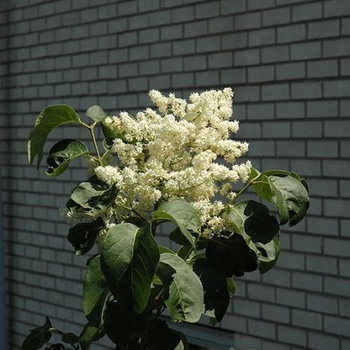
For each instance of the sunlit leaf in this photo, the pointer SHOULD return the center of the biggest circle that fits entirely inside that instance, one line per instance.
(182, 214)
(49, 118)
(62, 153)
(96, 113)
(185, 302)
(129, 259)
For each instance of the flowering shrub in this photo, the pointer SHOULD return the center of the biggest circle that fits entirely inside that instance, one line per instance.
(179, 165)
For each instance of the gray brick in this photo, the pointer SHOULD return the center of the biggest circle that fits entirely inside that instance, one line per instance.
(308, 90)
(207, 79)
(127, 39)
(227, 6)
(171, 65)
(337, 325)
(220, 60)
(333, 246)
(275, 92)
(307, 319)
(276, 130)
(324, 226)
(130, 69)
(290, 110)
(234, 40)
(335, 286)
(246, 307)
(290, 71)
(196, 62)
(172, 32)
(307, 12)
(221, 25)
(290, 297)
(160, 50)
(233, 76)
(322, 149)
(322, 109)
(336, 8)
(321, 264)
(257, 4)
(291, 335)
(207, 9)
(319, 341)
(335, 168)
(344, 268)
(344, 188)
(262, 329)
(278, 53)
(337, 88)
(247, 21)
(276, 16)
(344, 306)
(260, 292)
(322, 304)
(290, 149)
(196, 28)
(210, 44)
(292, 33)
(163, 81)
(149, 35)
(262, 37)
(261, 74)
(336, 47)
(307, 281)
(247, 94)
(324, 29)
(306, 51)
(184, 47)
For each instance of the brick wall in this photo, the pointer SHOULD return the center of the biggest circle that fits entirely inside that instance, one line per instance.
(288, 62)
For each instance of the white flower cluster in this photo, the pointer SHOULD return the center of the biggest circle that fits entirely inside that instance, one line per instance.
(183, 151)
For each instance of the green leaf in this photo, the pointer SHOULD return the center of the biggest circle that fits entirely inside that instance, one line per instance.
(125, 328)
(259, 229)
(161, 337)
(214, 281)
(185, 302)
(232, 255)
(38, 336)
(83, 236)
(90, 334)
(291, 198)
(182, 214)
(94, 196)
(286, 190)
(96, 113)
(62, 153)
(129, 260)
(70, 338)
(49, 118)
(95, 291)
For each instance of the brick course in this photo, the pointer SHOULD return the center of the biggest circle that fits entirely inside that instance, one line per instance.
(288, 62)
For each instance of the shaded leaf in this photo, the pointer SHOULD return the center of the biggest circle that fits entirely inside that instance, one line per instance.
(232, 255)
(259, 229)
(129, 259)
(96, 113)
(95, 291)
(38, 336)
(161, 337)
(214, 281)
(93, 196)
(49, 118)
(125, 328)
(62, 153)
(182, 214)
(83, 236)
(70, 338)
(185, 302)
(90, 334)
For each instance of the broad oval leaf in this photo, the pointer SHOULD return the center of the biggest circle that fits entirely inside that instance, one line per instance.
(182, 214)
(38, 336)
(185, 301)
(129, 259)
(214, 281)
(62, 153)
(291, 198)
(95, 291)
(49, 118)
(96, 113)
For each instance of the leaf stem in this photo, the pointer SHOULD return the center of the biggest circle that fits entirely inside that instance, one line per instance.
(94, 142)
(246, 186)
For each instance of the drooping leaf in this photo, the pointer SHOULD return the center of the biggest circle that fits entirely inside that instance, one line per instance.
(185, 302)
(161, 337)
(291, 198)
(182, 214)
(214, 281)
(232, 255)
(95, 292)
(259, 229)
(129, 259)
(82, 236)
(62, 153)
(96, 113)
(90, 334)
(49, 118)
(57, 346)
(38, 336)
(93, 196)
(287, 190)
